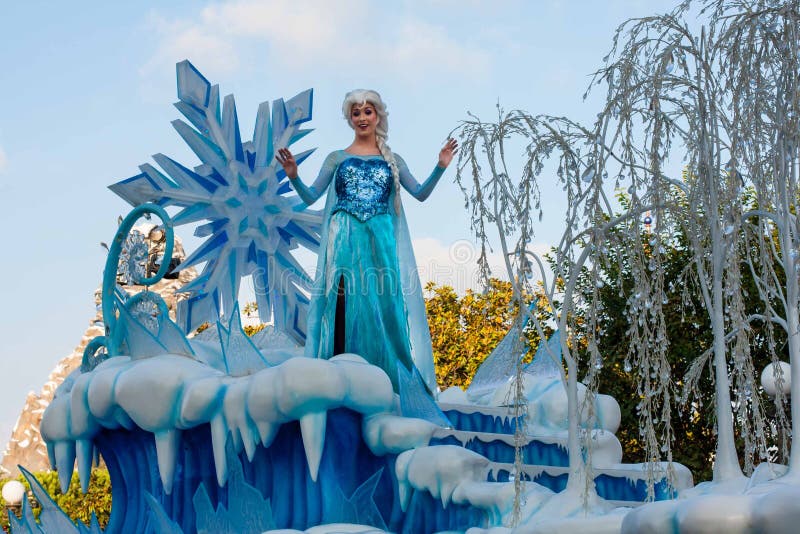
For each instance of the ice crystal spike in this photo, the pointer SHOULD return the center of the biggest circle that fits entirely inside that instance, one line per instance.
(547, 360)
(94, 526)
(500, 365)
(241, 356)
(359, 508)
(163, 524)
(363, 501)
(147, 328)
(51, 517)
(416, 401)
(242, 201)
(246, 511)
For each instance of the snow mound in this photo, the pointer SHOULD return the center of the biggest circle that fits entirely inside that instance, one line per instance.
(769, 508)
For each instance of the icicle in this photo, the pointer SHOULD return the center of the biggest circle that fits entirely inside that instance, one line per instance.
(84, 452)
(219, 437)
(266, 432)
(65, 462)
(51, 455)
(312, 429)
(167, 443)
(250, 440)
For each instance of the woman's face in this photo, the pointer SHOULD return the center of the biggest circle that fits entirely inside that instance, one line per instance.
(364, 119)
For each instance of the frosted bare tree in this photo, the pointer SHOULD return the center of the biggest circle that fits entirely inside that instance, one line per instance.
(759, 43)
(506, 205)
(662, 89)
(723, 98)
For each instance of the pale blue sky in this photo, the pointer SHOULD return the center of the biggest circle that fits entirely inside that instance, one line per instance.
(87, 91)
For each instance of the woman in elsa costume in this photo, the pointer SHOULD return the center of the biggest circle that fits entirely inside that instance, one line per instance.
(367, 297)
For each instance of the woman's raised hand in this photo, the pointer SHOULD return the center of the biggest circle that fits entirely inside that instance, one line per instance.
(287, 161)
(447, 152)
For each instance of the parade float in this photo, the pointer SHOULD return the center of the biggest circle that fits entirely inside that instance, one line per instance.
(221, 432)
(216, 431)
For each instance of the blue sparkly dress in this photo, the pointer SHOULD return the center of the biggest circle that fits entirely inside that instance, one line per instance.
(366, 258)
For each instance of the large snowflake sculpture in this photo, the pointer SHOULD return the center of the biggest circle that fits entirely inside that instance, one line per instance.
(239, 192)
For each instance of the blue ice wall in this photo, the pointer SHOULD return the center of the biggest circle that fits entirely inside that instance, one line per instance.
(353, 484)
(608, 486)
(534, 452)
(425, 514)
(481, 422)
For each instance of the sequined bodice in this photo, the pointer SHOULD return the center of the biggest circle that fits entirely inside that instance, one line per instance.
(363, 187)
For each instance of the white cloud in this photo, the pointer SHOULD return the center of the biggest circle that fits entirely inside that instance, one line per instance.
(456, 264)
(294, 35)
(453, 264)
(3, 160)
(211, 53)
(420, 43)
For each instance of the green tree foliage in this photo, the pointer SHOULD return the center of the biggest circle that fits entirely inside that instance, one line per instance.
(76, 505)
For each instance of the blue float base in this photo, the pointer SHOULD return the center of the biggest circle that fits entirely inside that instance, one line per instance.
(353, 484)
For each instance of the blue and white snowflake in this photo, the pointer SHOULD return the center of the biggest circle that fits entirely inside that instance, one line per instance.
(133, 258)
(240, 194)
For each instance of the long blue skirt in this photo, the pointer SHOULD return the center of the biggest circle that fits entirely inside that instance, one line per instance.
(362, 256)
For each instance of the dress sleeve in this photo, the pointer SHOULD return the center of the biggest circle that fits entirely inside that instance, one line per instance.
(420, 191)
(310, 194)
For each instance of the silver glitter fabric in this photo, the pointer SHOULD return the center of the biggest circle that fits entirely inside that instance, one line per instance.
(363, 187)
